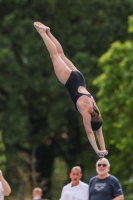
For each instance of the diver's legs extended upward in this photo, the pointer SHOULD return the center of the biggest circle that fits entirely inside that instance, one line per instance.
(62, 65)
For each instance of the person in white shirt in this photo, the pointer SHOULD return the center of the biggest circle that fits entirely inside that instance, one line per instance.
(5, 189)
(76, 189)
(37, 193)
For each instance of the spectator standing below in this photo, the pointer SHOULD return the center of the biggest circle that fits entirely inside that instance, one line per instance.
(76, 189)
(5, 189)
(37, 194)
(104, 186)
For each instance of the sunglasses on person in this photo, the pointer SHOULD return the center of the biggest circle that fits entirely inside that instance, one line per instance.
(104, 165)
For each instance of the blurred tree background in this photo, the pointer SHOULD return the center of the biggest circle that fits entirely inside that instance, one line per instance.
(42, 136)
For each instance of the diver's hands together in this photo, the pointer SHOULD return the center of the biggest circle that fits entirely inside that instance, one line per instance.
(102, 153)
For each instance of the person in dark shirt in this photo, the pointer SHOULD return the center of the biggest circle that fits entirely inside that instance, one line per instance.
(74, 81)
(104, 186)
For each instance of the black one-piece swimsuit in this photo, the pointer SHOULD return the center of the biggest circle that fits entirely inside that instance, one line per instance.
(75, 80)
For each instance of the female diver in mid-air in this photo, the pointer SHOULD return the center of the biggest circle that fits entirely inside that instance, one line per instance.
(74, 81)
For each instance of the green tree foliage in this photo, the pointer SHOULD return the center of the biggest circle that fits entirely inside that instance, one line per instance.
(115, 99)
(59, 177)
(130, 22)
(2, 154)
(38, 119)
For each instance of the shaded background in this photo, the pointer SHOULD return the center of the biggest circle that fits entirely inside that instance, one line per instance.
(41, 134)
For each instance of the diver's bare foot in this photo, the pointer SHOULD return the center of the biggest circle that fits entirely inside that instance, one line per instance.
(41, 27)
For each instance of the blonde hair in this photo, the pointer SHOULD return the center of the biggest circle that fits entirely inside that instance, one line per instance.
(37, 192)
(77, 168)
